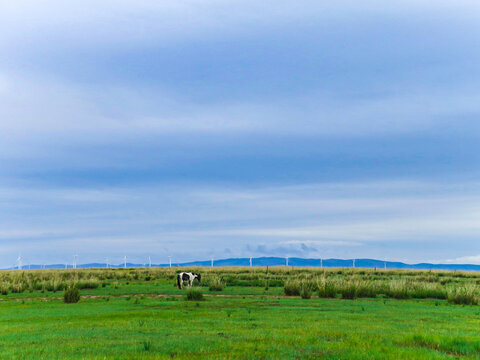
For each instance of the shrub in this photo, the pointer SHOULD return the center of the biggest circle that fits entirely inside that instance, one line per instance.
(194, 294)
(215, 283)
(71, 295)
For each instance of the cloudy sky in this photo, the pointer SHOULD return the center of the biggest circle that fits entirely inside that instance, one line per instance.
(208, 128)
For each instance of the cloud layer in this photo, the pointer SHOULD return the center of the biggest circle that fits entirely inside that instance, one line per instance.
(239, 128)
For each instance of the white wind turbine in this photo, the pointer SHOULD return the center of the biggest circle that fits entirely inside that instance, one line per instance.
(286, 261)
(250, 261)
(75, 257)
(353, 263)
(211, 264)
(170, 260)
(19, 262)
(149, 262)
(125, 261)
(106, 263)
(321, 263)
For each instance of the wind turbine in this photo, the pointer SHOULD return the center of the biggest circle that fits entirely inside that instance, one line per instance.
(170, 260)
(19, 262)
(75, 257)
(211, 264)
(106, 263)
(353, 263)
(286, 261)
(125, 261)
(385, 264)
(149, 262)
(321, 263)
(250, 261)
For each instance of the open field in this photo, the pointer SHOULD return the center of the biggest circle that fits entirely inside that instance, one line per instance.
(139, 314)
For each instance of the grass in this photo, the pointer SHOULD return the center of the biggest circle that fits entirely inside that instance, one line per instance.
(194, 294)
(223, 327)
(464, 295)
(215, 283)
(140, 314)
(71, 295)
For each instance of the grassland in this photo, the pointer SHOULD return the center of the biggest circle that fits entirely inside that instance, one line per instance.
(139, 314)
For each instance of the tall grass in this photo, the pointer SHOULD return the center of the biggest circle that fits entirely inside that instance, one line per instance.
(71, 294)
(194, 294)
(465, 295)
(215, 283)
(307, 287)
(352, 288)
(292, 287)
(459, 287)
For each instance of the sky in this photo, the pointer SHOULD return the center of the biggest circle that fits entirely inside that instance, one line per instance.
(200, 129)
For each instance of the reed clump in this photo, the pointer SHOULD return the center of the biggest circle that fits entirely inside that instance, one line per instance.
(71, 294)
(215, 283)
(194, 294)
(465, 295)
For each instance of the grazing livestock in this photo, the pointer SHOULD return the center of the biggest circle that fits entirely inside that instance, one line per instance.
(186, 276)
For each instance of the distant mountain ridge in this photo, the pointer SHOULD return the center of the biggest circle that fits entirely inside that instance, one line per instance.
(279, 261)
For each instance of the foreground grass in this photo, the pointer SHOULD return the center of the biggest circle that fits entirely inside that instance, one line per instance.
(245, 315)
(247, 328)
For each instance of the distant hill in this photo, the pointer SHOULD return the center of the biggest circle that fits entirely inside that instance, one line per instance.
(278, 261)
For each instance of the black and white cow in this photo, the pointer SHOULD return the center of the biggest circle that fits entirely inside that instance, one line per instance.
(187, 276)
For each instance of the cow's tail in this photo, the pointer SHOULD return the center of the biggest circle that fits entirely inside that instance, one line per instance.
(179, 281)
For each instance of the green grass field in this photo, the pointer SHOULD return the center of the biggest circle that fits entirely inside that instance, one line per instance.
(139, 314)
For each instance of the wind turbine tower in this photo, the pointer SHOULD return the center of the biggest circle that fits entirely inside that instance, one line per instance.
(211, 264)
(250, 261)
(353, 263)
(106, 263)
(321, 263)
(286, 261)
(75, 257)
(125, 262)
(170, 261)
(149, 262)
(19, 262)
